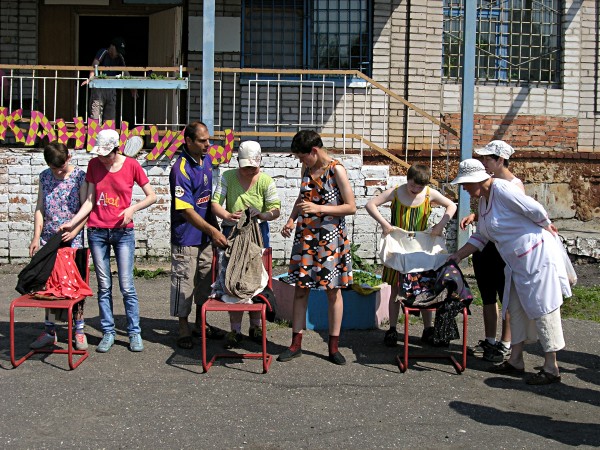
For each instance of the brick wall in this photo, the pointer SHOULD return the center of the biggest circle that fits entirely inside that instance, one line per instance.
(526, 133)
(18, 31)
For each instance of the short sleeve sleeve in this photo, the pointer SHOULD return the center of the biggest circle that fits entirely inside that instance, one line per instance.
(272, 200)
(183, 195)
(139, 174)
(220, 193)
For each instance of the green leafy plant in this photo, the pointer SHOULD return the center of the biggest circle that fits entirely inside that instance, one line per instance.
(366, 278)
(147, 273)
(357, 261)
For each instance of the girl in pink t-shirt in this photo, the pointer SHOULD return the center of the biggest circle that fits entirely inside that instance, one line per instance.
(110, 178)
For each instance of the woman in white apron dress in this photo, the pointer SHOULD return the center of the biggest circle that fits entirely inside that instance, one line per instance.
(536, 278)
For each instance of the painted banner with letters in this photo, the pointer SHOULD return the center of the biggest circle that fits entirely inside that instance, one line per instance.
(84, 134)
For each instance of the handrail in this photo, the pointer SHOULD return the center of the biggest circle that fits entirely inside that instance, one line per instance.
(392, 94)
(239, 134)
(90, 68)
(346, 74)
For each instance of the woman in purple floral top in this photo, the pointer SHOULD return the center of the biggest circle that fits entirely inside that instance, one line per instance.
(62, 190)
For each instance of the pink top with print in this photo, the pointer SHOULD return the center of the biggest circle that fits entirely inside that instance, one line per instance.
(114, 191)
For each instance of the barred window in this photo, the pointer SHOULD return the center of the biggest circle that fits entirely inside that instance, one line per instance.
(317, 34)
(517, 41)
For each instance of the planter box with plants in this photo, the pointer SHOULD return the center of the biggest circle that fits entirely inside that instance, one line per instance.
(365, 305)
(139, 83)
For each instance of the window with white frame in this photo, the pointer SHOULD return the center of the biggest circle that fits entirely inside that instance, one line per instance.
(517, 41)
(312, 34)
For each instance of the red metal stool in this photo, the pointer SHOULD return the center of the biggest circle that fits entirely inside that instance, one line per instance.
(403, 360)
(27, 301)
(218, 305)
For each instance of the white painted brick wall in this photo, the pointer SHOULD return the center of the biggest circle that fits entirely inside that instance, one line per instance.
(18, 198)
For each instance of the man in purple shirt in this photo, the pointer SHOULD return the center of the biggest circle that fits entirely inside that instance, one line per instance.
(193, 230)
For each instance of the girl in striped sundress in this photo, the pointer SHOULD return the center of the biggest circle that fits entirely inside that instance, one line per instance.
(411, 207)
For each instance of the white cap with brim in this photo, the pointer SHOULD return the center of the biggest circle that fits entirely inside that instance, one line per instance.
(470, 171)
(498, 148)
(249, 154)
(106, 142)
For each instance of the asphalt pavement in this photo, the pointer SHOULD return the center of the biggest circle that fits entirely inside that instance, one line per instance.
(161, 399)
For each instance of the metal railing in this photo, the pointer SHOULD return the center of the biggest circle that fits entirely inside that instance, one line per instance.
(348, 108)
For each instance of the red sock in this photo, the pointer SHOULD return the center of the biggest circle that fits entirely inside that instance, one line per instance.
(333, 344)
(296, 342)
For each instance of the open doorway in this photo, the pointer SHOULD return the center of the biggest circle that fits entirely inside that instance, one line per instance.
(96, 32)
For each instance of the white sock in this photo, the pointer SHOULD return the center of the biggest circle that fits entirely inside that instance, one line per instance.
(506, 344)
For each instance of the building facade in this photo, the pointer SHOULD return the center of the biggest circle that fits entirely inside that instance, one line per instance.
(537, 81)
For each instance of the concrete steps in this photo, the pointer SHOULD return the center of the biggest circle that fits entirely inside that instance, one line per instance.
(582, 239)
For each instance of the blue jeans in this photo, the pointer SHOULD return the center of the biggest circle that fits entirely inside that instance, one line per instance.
(122, 240)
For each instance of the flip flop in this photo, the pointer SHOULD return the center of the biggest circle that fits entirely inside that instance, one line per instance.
(506, 368)
(542, 378)
(185, 342)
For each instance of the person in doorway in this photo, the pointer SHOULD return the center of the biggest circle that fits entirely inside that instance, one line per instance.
(239, 189)
(110, 178)
(535, 274)
(321, 249)
(489, 266)
(103, 102)
(193, 232)
(61, 192)
(411, 206)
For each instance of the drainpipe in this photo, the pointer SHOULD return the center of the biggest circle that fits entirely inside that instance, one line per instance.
(467, 106)
(208, 66)
(406, 74)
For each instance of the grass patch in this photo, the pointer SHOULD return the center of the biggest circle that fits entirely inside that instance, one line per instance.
(584, 304)
(148, 274)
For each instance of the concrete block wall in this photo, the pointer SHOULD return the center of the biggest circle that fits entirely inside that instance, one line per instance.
(19, 172)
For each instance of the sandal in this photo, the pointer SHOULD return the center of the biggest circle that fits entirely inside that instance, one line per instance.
(542, 378)
(185, 342)
(506, 368)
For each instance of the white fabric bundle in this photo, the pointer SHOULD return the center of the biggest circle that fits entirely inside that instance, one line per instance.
(412, 251)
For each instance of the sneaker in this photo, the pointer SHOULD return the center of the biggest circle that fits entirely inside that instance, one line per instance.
(106, 343)
(506, 351)
(255, 334)
(233, 339)
(391, 338)
(492, 353)
(135, 343)
(43, 340)
(81, 341)
(480, 348)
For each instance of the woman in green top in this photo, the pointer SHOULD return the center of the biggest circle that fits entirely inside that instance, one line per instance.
(239, 189)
